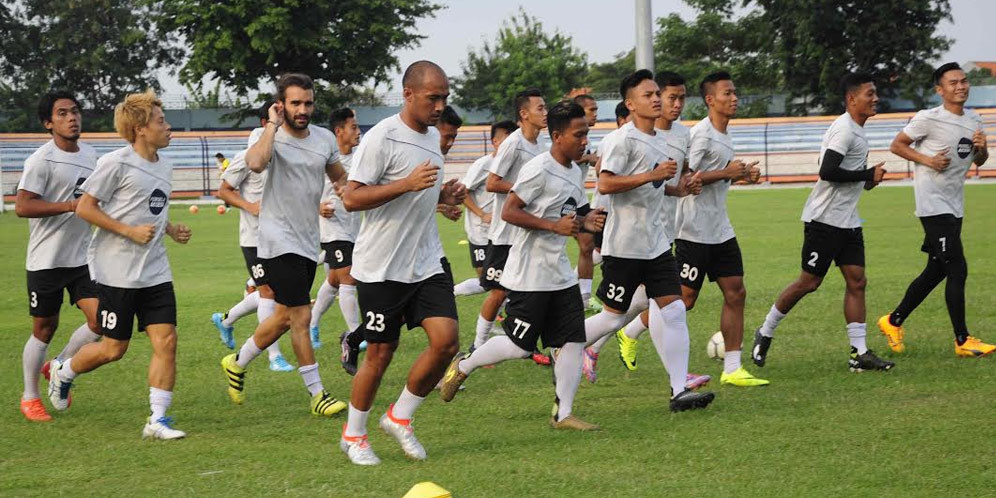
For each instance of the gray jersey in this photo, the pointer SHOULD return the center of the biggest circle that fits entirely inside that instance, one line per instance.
(836, 203)
(634, 227)
(399, 240)
(250, 186)
(288, 215)
(55, 175)
(538, 259)
(512, 154)
(678, 139)
(474, 180)
(942, 192)
(135, 192)
(343, 225)
(702, 218)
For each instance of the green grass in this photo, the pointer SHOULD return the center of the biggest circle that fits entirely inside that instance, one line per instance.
(817, 430)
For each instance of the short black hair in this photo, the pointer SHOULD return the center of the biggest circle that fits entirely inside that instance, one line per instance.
(522, 99)
(939, 72)
(853, 81)
(293, 79)
(219, 155)
(560, 116)
(712, 78)
(450, 117)
(578, 99)
(633, 79)
(508, 126)
(622, 111)
(339, 117)
(47, 102)
(415, 72)
(668, 78)
(264, 110)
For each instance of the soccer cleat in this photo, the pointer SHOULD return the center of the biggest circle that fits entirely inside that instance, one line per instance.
(589, 362)
(573, 423)
(236, 377)
(162, 429)
(759, 352)
(325, 404)
(691, 400)
(893, 334)
(867, 361)
(358, 449)
(540, 359)
(315, 341)
(973, 347)
(34, 410)
(46, 370)
(452, 379)
(741, 378)
(350, 356)
(627, 349)
(279, 364)
(58, 388)
(363, 346)
(404, 433)
(695, 381)
(226, 334)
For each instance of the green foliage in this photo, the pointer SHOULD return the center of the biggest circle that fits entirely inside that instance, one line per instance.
(981, 76)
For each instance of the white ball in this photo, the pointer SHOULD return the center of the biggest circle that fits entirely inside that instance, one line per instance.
(716, 347)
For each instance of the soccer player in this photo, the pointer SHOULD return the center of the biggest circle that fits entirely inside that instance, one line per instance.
(636, 249)
(127, 199)
(586, 241)
(297, 156)
(943, 142)
(395, 179)
(48, 194)
(338, 233)
(832, 232)
(546, 205)
(243, 188)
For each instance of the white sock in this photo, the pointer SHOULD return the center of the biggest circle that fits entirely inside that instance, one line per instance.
(66, 372)
(731, 361)
(635, 328)
(312, 381)
(356, 422)
(669, 333)
(405, 406)
(159, 401)
(496, 350)
(596, 347)
(856, 335)
(350, 306)
(567, 376)
(324, 299)
(596, 257)
(601, 325)
(274, 350)
(265, 309)
(482, 331)
(585, 284)
(468, 287)
(246, 306)
(247, 353)
(639, 303)
(32, 360)
(81, 337)
(771, 321)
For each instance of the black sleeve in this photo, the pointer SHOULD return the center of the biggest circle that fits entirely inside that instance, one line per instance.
(831, 171)
(583, 211)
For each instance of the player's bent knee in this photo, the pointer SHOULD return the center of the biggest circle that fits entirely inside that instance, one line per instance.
(736, 296)
(112, 350)
(44, 328)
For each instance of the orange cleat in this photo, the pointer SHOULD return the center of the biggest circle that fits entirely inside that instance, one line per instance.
(893, 334)
(34, 410)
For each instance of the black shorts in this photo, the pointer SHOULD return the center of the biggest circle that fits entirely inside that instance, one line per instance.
(338, 254)
(494, 263)
(386, 306)
(695, 261)
(446, 267)
(823, 244)
(557, 317)
(45, 289)
(477, 254)
(290, 276)
(119, 307)
(621, 276)
(255, 266)
(598, 241)
(942, 237)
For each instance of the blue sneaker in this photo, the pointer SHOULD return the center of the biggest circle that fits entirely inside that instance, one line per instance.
(225, 333)
(279, 364)
(315, 341)
(363, 346)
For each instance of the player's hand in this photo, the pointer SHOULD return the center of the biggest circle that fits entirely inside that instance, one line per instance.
(753, 172)
(665, 170)
(736, 170)
(326, 210)
(694, 183)
(253, 208)
(594, 221)
(422, 177)
(940, 161)
(567, 225)
(879, 176)
(276, 114)
(180, 233)
(453, 192)
(339, 189)
(141, 234)
(486, 218)
(589, 159)
(979, 140)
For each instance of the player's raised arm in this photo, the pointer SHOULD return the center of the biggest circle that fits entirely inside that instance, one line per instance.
(360, 197)
(89, 210)
(259, 154)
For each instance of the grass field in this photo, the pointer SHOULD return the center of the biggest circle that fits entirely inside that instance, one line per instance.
(817, 430)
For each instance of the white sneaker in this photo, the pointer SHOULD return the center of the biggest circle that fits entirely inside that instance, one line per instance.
(359, 451)
(162, 428)
(58, 389)
(405, 435)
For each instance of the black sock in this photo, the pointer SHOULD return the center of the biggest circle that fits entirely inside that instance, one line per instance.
(954, 296)
(918, 290)
(355, 338)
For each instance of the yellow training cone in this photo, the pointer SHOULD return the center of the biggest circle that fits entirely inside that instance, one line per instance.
(462, 242)
(427, 490)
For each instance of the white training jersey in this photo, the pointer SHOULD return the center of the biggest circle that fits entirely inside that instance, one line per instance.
(250, 186)
(512, 154)
(399, 240)
(702, 218)
(678, 139)
(56, 175)
(288, 215)
(135, 192)
(596, 198)
(537, 260)
(475, 180)
(634, 226)
(836, 203)
(942, 192)
(343, 225)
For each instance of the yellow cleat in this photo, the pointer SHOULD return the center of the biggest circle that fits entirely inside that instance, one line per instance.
(973, 347)
(325, 405)
(627, 349)
(236, 377)
(893, 334)
(741, 378)
(573, 423)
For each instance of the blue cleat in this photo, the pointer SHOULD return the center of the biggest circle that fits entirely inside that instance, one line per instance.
(315, 341)
(279, 364)
(225, 333)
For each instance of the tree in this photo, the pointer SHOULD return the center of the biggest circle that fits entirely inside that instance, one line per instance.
(522, 56)
(981, 76)
(247, 44)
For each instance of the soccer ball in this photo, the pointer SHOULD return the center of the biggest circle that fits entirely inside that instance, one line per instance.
(221, 209)
(716, 347)
(194, 209)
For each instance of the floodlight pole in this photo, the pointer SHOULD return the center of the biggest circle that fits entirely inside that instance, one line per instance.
(644, 36)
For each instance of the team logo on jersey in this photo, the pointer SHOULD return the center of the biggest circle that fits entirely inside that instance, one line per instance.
(569, 208)
(157, 201)
(657, 183)
(77, 192)
(964, 148)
